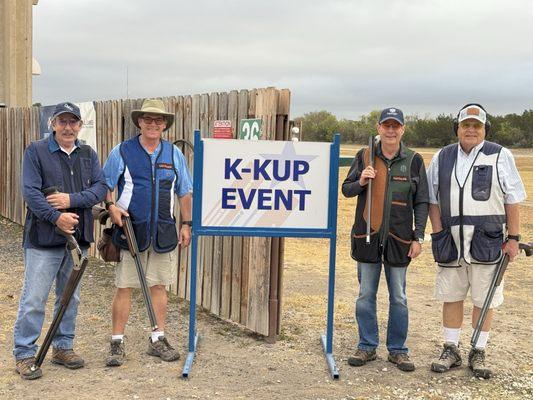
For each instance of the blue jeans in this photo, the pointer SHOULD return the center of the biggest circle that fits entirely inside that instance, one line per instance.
(42, 268)
(365, 307)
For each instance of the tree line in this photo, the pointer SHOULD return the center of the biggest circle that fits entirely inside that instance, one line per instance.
(511, 130)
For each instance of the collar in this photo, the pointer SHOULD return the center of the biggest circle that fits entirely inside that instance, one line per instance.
(474, 150)
(157, 149)
(399, 155)
(53, 146)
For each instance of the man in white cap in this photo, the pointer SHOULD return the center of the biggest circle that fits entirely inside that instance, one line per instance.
(148, 171)
(474, 193)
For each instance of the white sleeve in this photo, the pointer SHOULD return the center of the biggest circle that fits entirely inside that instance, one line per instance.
(510, 180)
(433, 179)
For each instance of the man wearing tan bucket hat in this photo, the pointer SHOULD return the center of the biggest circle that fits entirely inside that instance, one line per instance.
(148, 171)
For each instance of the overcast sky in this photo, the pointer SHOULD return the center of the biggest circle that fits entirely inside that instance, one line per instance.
(347, 57)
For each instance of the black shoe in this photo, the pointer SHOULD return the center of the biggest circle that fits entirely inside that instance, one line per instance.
(361, 357)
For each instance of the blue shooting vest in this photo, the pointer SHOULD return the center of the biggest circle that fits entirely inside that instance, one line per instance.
(147, 193)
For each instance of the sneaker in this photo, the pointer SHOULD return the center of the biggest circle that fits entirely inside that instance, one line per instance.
(449, 358)
(361, 357)
(27, 369)
(402, 361)
(476, 362)
(117, 354)
(67, 358)
(162, 349)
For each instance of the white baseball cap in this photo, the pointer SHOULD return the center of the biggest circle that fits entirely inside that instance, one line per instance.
(473, 112)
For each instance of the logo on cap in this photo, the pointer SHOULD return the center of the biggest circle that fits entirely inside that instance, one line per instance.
(473, 112)
(68, 106)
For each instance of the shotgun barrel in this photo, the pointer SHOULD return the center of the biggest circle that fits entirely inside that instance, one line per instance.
(369, 190)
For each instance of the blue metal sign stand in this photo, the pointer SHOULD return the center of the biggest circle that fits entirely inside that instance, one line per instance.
(329, 233)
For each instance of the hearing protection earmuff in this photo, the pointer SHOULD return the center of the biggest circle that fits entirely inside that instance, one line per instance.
(456, 119)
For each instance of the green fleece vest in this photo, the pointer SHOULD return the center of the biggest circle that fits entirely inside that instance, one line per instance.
(391, 214)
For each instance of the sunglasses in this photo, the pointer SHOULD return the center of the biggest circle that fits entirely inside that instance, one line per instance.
(158, 121)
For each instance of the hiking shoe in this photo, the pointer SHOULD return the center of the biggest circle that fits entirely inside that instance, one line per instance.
(402, 361)
(162, 349)
(361, 357)
(476, 362)
(67, 358)
(449, 358)
(24, 368)
(117, 354)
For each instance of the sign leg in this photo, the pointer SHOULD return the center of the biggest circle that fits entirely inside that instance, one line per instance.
(327, 340)
(193, 335)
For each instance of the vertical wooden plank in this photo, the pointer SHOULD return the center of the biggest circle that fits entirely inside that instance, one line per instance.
(184, 254)
(204, 126)
(227, 241)
(216, 285)
(208, 240)
(259, 255)
(236, 279)
(195, 124)
(3, 161)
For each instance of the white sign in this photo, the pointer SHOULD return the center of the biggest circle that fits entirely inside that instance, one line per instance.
(266, 184)
(88, 131)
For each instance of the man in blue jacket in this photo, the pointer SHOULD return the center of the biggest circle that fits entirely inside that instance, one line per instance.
(60, 161)
(148, 172)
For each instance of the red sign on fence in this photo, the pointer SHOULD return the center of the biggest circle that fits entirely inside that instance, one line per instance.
(222, 129)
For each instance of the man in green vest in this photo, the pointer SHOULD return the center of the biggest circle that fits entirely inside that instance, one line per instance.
(398, 216)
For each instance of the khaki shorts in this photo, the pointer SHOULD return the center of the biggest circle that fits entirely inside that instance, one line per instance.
(159, 269)
(452, 284)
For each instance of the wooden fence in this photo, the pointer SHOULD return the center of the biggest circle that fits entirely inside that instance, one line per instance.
(239, 279)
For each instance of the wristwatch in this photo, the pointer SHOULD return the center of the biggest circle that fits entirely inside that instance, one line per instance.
(108, 204)
(420, 240)
(514, 237)
(186, 223)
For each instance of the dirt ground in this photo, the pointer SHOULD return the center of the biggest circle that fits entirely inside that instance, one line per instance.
(234, 364)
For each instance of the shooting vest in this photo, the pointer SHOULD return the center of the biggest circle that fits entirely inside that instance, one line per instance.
(391, 218)
(473, 215)
(147, 193)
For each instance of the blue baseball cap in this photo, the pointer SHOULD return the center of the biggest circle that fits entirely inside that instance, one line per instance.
(63, 108)
(391, 113)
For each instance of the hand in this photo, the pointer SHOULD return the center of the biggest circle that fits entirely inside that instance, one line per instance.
(116, 214)
(60, 201)
(67, 222)
(185, 235)
(414, 250)
(511, 248)
(368, 173)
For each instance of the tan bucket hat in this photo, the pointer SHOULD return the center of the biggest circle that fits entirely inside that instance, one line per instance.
(152, 106)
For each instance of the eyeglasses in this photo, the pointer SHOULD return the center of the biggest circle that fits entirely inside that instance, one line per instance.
(64, 122)
(470, 124)
(149, 120)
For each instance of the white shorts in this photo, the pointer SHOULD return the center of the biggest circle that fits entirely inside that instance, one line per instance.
(452, 284)
(159, 269)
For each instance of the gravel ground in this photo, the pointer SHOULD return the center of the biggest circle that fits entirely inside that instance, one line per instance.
(234, 364)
